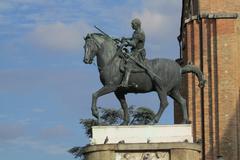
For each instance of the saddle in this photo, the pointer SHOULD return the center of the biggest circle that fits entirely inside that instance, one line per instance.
(128, 63)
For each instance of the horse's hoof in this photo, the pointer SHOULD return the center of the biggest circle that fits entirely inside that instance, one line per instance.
(151, 123)
(100, 123)
(124, 123)
(202, 84)
(95, 113)
(186, 122)
(123, 86)
(155, 121)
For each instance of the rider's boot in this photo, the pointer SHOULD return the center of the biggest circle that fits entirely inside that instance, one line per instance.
(126, 78)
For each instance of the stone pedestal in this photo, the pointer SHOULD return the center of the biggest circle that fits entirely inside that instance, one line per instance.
(156, 142)
(142, 133)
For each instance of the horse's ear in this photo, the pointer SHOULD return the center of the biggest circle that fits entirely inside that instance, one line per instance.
(87, 36)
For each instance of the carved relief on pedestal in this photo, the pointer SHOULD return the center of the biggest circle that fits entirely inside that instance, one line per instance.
(143, 156)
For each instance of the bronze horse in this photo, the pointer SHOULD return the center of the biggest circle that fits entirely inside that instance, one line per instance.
(168, 71)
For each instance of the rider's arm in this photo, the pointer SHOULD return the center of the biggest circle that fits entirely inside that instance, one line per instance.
(125, 42)
(135, 39)
(132, 42)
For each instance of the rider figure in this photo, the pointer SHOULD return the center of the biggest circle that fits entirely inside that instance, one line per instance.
(136, 42)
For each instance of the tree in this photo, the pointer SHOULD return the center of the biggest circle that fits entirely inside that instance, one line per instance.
(110, 116)
(142, 116)
(87, 124)
(77, 152)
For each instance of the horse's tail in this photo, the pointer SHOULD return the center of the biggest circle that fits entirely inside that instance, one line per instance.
(189, 68)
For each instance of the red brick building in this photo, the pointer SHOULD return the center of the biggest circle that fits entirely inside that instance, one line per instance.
(210, 39)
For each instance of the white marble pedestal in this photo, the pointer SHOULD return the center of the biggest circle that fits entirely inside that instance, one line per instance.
(149, 142)
(141, 134)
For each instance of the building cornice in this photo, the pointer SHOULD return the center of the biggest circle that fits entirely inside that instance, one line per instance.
(213, 16)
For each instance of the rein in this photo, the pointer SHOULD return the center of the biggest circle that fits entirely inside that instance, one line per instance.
(112, 59)
(95, 41)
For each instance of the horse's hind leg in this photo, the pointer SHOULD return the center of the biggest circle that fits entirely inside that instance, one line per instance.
(163, 104)
(182, 102)
(121, 97)
(104, 90)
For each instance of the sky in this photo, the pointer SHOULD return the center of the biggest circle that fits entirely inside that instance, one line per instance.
(45, 88)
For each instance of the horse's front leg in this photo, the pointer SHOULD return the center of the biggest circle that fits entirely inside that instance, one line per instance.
(104, 90)
(163, 104)
(121, 97)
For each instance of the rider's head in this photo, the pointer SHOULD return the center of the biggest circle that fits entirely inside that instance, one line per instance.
(136, 23)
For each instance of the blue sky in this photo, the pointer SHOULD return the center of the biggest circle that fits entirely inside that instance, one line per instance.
(45, 88)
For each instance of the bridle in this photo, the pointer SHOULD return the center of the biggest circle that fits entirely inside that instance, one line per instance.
(93, 41)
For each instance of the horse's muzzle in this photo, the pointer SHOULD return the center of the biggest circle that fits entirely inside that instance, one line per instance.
(87, 61)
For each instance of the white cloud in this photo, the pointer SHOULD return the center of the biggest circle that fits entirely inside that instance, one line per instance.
(59, 131)
(4, 6)
(59, 36)
(28, 1)
(161, 23)
(153, 23)
(2, 116)
(11, 131)
(25, 121)
(163, 6)
(159, 18)
(39, 110)
(40, 146)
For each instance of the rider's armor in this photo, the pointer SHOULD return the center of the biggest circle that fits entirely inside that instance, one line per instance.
(137, 43)
(137, 51)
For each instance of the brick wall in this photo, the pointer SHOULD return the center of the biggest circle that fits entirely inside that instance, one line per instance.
(220, 61)
(227, 6)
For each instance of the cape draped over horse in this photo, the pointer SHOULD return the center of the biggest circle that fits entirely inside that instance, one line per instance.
(108, 62)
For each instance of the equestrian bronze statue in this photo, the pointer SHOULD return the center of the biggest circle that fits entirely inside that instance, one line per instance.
(136, 42)
(159, 75)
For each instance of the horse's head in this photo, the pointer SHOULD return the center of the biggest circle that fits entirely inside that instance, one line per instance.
(91, 47)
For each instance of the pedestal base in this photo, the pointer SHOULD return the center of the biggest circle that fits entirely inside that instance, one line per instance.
(142, 134)
(152, 151)
(146, 142)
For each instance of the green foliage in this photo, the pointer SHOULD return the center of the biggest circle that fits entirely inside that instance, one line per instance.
(142, 116)
(77, 152)
(110, 116)
(87, 124)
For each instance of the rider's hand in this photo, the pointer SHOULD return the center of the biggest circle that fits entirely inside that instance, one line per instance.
(123, 44)
(117, 40)
(123, 39)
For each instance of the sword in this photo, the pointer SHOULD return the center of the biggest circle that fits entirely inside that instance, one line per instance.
(149, 71)
(115, 40)
(102, 32)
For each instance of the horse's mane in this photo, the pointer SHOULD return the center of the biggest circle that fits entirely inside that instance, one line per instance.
(105, 37)
(100, 37)
(99, 34)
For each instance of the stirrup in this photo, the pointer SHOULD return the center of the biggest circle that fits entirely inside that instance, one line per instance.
(124, 85)
(127, 85)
